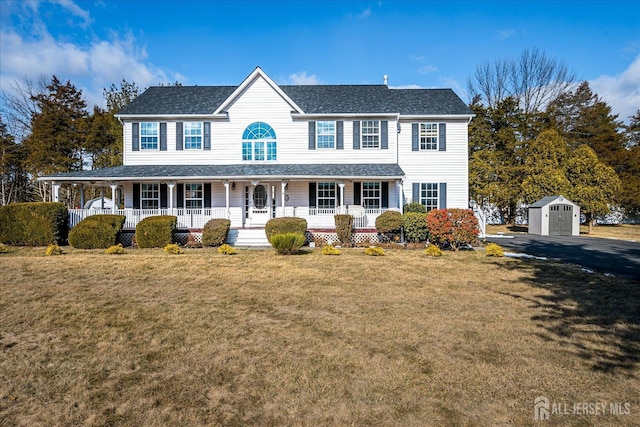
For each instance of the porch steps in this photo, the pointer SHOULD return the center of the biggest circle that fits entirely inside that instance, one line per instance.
(248, 237)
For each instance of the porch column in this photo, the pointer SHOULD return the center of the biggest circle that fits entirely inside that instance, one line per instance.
(56, 192)
(283, 186)
(226, 193)
(81, 196)
(341, 185)
(101, 197)
(400, 197)
(114, 188)
(170, 185)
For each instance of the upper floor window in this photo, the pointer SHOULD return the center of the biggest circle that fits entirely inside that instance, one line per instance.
(192, 135)
(193, 196)
(428, 136)
(371, 195)
(149, 136)
(149, 196)
(259, 143)
(325, 134)
(370, 133)
(429, 195)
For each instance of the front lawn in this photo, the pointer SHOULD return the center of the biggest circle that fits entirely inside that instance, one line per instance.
(201, 338)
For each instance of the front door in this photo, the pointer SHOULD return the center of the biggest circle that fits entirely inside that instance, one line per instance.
(560, 220)
(260, 209)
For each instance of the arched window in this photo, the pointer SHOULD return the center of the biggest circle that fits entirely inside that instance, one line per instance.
(259, 143)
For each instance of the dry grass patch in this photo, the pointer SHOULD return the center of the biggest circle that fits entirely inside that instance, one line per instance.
(617, 231)
(260, 339)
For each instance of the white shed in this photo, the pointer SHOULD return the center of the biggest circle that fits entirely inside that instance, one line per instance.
(554, 216)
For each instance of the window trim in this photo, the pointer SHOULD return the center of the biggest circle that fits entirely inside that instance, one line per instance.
(144, 199)
(378, 134)
(364, 197)
(423, 200)
(268, 147)
(333, 200)
(142, 129)
(186, 191)
(185, 146)
(334, 135)
(434, 144)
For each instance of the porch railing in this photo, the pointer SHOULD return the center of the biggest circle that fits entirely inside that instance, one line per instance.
(197, 218)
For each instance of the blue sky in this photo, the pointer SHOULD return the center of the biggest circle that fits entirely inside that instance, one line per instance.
(416, 43)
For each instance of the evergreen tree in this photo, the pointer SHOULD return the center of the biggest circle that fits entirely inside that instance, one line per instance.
(14, 182)
(629, 171)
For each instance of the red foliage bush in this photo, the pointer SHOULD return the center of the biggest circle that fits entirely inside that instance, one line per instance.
(453, 227)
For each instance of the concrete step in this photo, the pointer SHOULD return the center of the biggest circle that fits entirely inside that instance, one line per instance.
(249, 237)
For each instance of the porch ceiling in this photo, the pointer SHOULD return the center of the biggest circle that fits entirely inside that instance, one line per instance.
(351, 171)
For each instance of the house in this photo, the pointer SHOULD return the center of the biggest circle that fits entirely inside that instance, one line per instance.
(262, 150)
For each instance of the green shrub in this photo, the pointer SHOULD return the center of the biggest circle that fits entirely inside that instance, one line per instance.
(96, 232)
(285, 225)
(172, 249)
(452, 227)
(344, 228)
(415, 227)
(4, 249)
(374, 251)
(155, 231)
(215, 232)
(494, 249)
(287, 243)
(226, 250)
(34, 224)
(115, 250)
(330, 250)
(53, 249)
(389, 221)
(414, 207)
(433, 250)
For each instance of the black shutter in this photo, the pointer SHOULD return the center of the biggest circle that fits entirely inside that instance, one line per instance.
(163, 196)
(312, 135)
(416, 192)
(356, 135)
(207, 135)
(443, 195)
(385, 194)
(180, 196)
(312, 194)
(135, 138)
(207, 195)
(415, 137)
(357, 193)
(442, 140)
(179, 138)
(163, 137)
(340, 135)
(384, 135)
(136, 195)
(338, 198)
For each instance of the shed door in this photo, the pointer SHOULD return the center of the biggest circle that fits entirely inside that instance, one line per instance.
(560, 220)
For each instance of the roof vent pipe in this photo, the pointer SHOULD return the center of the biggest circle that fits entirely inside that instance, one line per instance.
(385, 79)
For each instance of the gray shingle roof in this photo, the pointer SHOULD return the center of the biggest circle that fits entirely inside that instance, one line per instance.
(248, 171)
(313, 99)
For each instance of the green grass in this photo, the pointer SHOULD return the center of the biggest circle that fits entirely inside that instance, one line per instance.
(150, 339)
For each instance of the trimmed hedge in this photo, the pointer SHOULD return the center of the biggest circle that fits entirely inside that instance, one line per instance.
(414, 207)
(389, 221)
(97, 232)
(344, 228)
(287, 243)
(452, 227)
(285, 225)
(215, 232)
(156, 231)
(415, 227)
(34, 224)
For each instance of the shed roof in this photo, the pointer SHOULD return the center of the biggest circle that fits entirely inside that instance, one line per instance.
(547, 200)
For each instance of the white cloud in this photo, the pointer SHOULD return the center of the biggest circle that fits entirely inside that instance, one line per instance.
(301, 78)
(364, 14)
(621, 92)
(406, 87)
(506, 34)
(427, 69)
(416, 58)
(76, 11)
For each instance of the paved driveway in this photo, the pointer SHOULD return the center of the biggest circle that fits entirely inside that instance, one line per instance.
(618, 257)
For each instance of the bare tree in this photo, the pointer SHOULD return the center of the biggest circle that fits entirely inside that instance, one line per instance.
(19, 106)
(533, 79)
